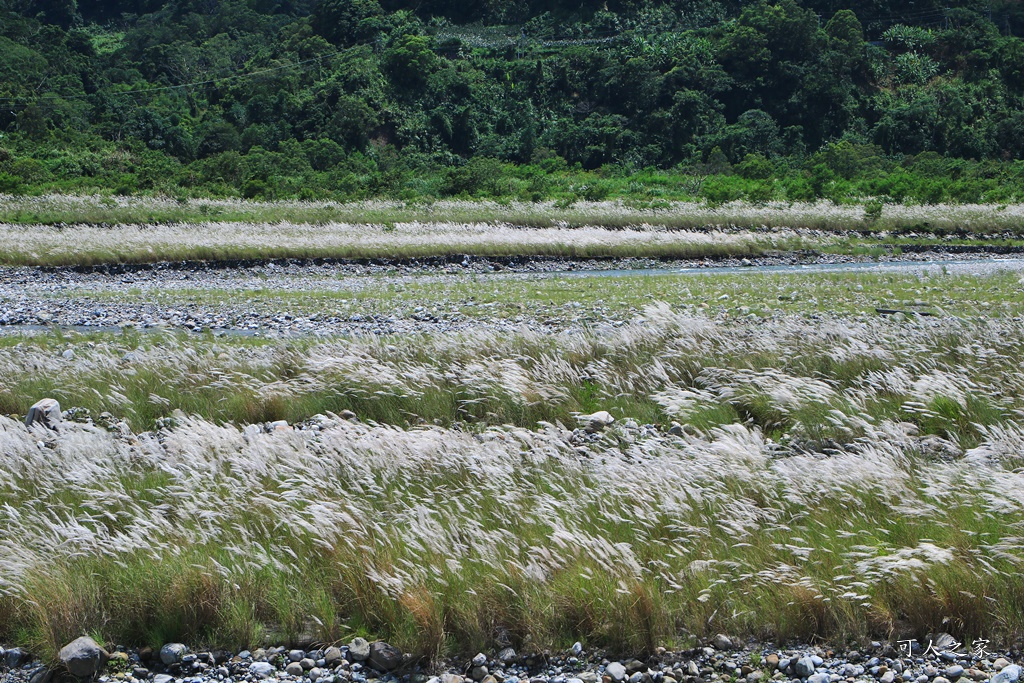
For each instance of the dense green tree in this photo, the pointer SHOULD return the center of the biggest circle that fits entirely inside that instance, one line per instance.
(346, 22)
(350, 98)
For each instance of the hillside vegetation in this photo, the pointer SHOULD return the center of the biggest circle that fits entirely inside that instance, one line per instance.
(351, 99)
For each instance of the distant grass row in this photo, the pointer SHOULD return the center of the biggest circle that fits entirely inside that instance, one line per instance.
(820, 488)
(92, 245)
(61, 231)
(867, 214)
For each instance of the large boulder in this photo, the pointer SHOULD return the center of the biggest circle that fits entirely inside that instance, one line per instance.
(172, 653)
(384, 656)
(83, 657)
(45, 412)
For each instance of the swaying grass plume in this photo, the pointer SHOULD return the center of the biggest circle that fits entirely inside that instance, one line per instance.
(91, 245)
(821, 485)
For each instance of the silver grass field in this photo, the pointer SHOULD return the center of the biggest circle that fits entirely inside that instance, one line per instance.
(828, 477)
(57, 230)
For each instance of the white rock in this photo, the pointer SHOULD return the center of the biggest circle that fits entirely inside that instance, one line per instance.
(616, 671)
(45, 412)
(262, 669)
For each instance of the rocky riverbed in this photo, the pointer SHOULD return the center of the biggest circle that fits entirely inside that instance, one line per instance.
(110, 298)
(939, 660)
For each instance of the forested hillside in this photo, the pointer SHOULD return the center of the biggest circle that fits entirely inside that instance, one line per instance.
(348, 99)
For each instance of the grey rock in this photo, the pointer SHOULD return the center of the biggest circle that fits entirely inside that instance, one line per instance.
(315, 674)
(478, 673)
(163, 678)
(45, 412)
(172, 653)
(359, 650)
(294, 669)
(480, 659)
(306, 663)
(818, 661)
(595, 422)
(332, 656)
(616, 671)
(451, 678)
(755, 676)
(953, 672)
(262, 669)
(507, 655)
(944, 641)
(692, 669)
(850, 671)
(588, 677)
(577, 648)
(42, 675)
(722, 642)
(384, 656)
(887, 677)
(804, 667)
(635, 678)
(634, 665)
(1000, 664)
(940, 679)
(819, 678)
(1009, 674)
(296, 655)
(140, 672)
(83, 657)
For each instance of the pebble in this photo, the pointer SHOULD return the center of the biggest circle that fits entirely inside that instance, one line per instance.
(574, 665)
